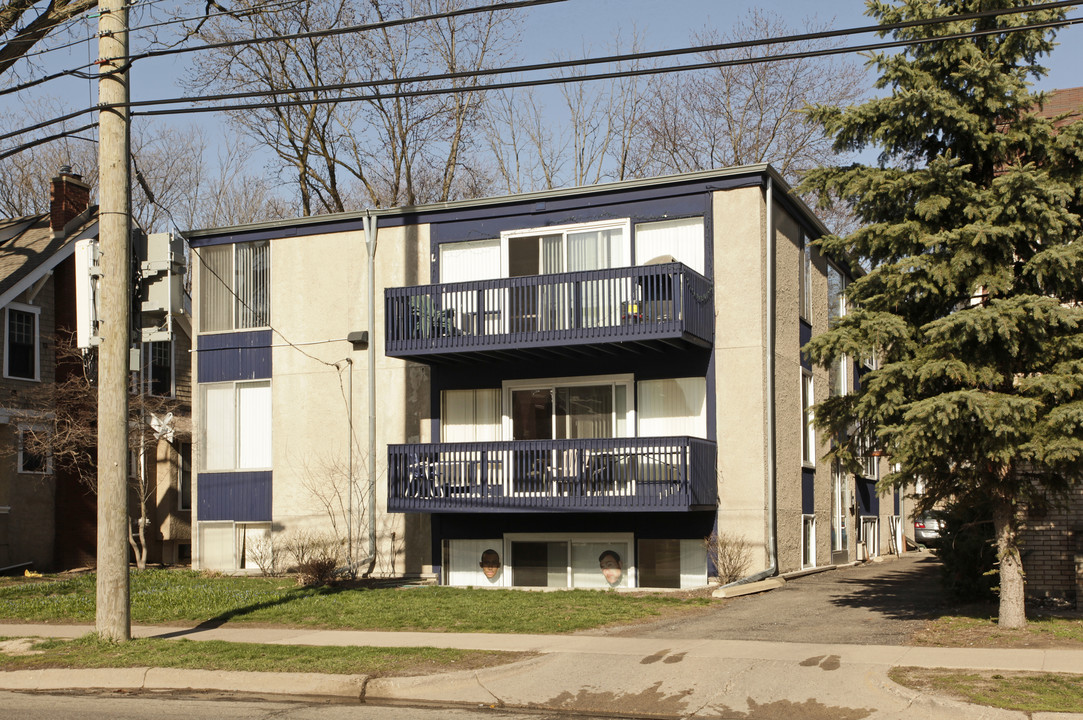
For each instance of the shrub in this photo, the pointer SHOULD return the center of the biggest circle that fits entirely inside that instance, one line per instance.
(267, 553)
(730, 554)
(320, 560)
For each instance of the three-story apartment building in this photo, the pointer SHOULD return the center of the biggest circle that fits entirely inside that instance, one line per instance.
(565, 389)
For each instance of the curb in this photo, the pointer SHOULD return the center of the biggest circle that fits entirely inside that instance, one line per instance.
(260, 683)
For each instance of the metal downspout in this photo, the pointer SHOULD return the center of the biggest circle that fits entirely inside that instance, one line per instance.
(370, 225)
(772, 471)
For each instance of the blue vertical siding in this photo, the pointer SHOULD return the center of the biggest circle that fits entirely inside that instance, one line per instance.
(234, 356)
(238, 496)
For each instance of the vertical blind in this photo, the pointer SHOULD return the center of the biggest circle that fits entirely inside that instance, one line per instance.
(673, 406)
(470, 416)
(683, 239)
(252, 281)
(254, 425)
(215, 298)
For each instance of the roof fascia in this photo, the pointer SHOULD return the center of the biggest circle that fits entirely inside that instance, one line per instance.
(47, 265)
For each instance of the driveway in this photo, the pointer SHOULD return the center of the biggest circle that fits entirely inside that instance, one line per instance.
(869, 604)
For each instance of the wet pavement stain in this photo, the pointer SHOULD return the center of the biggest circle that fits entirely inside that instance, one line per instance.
(810, 709)
(650, 701)
(654, 658)
(674, 658)
(826, 662)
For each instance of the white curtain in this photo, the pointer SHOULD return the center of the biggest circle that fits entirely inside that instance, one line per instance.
(254, 425)
(216, 546)
(470, 416)
(465, 261)
(673, 406)
(218, 427)
(215, 298)
(683, 239)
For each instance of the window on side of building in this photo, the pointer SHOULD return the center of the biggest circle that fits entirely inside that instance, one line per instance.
(236, 426)
(808, 432)
(836, 309)
(21, 357)
(805, 280)
(683, 239)
(32, 462)
(234, 286)
(808, 541)
(158, 368)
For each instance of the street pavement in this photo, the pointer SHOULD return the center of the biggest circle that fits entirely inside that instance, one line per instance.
(644, 674)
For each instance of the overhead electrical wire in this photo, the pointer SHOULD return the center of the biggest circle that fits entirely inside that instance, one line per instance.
(882, 29)
(561, 80)
(78, 71)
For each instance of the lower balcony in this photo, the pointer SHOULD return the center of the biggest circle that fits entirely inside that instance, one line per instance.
(659, 474)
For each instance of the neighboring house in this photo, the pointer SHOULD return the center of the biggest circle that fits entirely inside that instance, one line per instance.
(47, 516)
(573, 388)
(1052, 536)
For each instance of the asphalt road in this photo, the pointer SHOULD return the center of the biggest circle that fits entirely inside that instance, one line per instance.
(869, 604)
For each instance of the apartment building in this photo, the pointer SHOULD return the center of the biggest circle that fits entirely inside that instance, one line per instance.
(571, 388)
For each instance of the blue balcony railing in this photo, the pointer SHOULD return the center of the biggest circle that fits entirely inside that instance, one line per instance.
(596, 475)
(652, 302)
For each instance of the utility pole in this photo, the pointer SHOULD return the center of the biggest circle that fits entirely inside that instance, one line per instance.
(113, 621)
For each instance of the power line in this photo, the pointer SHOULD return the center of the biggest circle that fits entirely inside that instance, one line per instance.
(625, 58)
(568, 78)
(568, 64)
(78, 71)
(49, 138)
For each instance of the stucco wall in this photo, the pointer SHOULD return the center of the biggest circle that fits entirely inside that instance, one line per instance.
(739, 365)
(319, 295)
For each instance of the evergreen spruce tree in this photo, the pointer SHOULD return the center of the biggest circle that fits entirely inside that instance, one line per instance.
(971, 240)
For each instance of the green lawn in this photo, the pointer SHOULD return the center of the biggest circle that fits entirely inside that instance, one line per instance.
(188, 597)
(90, 652)
(1029, 692)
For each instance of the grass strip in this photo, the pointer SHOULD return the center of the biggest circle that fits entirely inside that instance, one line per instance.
(965, 630)
(184, 596)
(91, 652)
(1026, 691)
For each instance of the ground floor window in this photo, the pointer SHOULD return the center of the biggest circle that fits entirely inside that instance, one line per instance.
(587, 560)
(839, 509)
(808, 541)
(870, 536)
(229, 545)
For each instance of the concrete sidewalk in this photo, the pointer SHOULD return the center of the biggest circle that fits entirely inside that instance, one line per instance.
(669, 678)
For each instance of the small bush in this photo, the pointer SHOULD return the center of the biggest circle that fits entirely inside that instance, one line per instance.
(968, 552)
(730, 554)
(321, 560)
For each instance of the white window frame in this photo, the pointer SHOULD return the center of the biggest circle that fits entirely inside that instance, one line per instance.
(240, 563)
(232, 288)
(839, 509)
(808, 430)
(237, 430)
(628, 380)
(870, 464)
(506, 236)
(36, 312)
(20, 460)
(808, 552)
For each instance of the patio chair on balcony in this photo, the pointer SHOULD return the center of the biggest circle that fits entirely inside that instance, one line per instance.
(426, 321)
(423, 479)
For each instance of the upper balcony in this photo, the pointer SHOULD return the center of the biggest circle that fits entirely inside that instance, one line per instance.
(651, 304)
(674, 474)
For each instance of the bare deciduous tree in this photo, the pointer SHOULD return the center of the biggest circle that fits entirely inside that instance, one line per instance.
(382, 151)
(747, 114)
(25, 23)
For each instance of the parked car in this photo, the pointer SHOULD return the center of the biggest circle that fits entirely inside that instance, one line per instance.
(927, 530)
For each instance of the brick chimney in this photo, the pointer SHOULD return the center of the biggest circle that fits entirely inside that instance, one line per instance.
(68, 197)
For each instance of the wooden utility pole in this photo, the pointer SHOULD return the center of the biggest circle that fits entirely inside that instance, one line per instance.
(114, 226)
